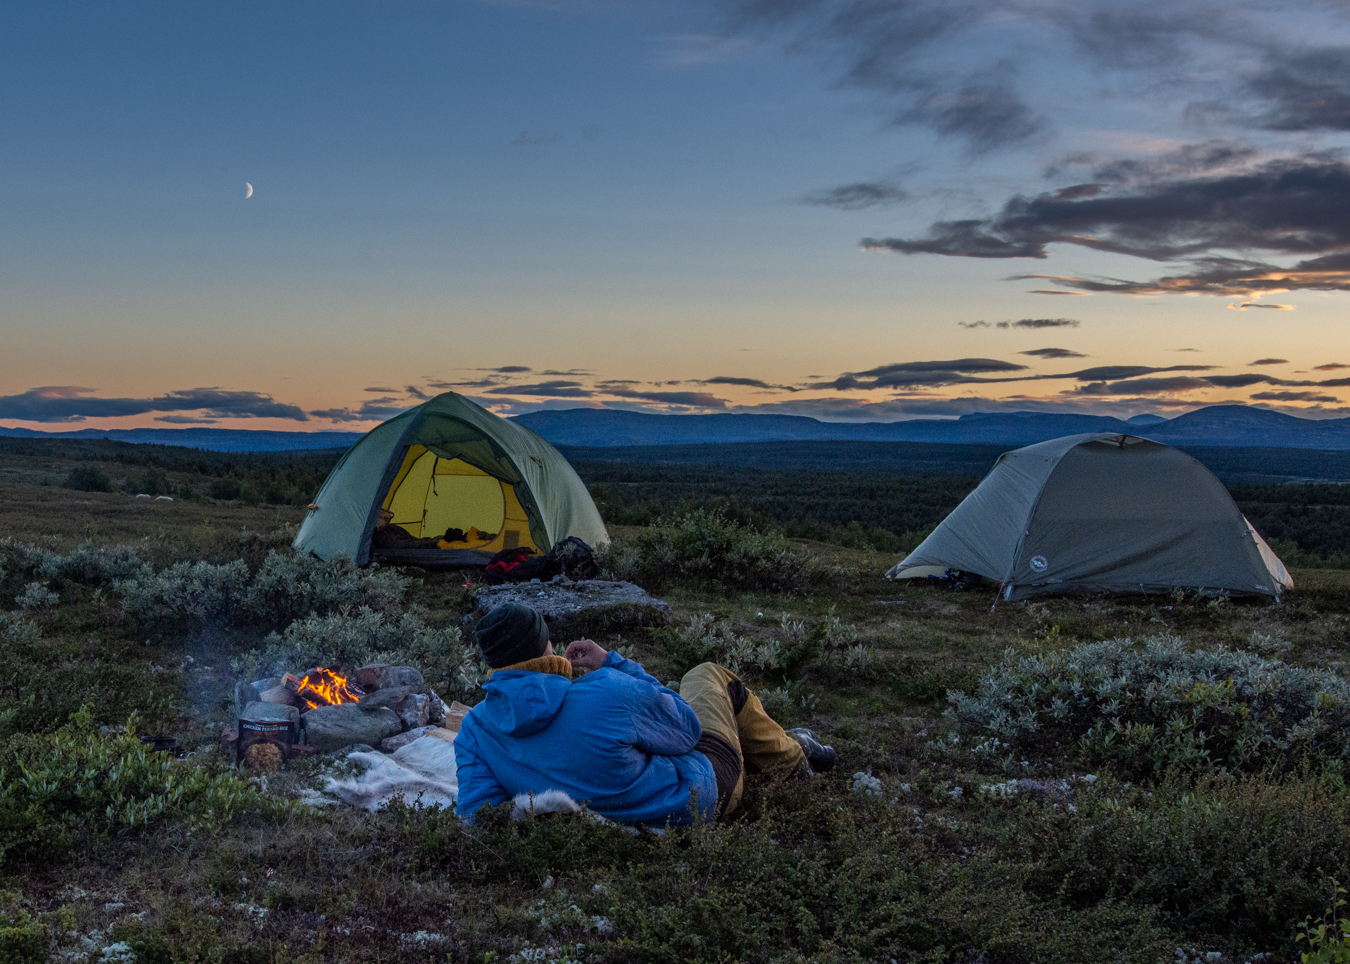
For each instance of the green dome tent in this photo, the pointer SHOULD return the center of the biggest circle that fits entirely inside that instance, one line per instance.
(1100, 512)
(448, 483)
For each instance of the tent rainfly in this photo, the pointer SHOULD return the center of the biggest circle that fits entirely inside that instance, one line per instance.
(461, 484)
(1113, 513)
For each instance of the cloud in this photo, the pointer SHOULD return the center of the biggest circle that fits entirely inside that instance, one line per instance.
(417, 393)
(1270, 361)
(186, 420)
(526, 139)
(1256, 304)
(1142, 386)
(371, 410)
(730, 380)
(1309, 89)
(1294, 397)
(1110, 373)
(553, 389)
(973, 324)
(1040, 323)
(1053, 353)
(1329, 367)
(931, 373)
(380, 391)
(858, 196)
(62, 403)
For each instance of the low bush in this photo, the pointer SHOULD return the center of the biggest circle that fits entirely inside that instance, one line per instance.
(1142, 709)
(286, 587)
(1218, 854)
(707, 548)
(787, 654)
(88, 478)
(86, 564)
(81, 781)
(353, 639)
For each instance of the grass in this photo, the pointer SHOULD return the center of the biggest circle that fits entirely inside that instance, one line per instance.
(956, 859)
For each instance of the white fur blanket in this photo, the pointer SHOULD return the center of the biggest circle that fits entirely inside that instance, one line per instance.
(423, 773)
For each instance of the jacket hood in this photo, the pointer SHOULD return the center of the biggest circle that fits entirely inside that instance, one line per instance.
(520, 702)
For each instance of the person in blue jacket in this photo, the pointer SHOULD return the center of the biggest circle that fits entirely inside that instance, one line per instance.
(615, 739)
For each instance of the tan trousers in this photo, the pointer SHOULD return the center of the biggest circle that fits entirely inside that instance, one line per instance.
(762, 743)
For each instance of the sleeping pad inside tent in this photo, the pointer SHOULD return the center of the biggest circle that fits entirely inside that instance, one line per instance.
(448, 484)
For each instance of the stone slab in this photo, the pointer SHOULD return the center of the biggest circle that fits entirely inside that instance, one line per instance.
(330, 728)
(574, 609)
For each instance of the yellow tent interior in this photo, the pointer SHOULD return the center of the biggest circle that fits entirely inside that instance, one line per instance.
(431, 494)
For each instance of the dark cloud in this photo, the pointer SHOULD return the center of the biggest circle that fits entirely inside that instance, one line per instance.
(552, 389)
(1040, 323)
(186, 420)
(1142, 386)
(1053, 353)
(688, 399)
(571, 372)
(1308, 89)
(1329, 367)
(61, 403)
(930, 373)
(1257, 304)
(1289, 206)
(1111, 373)
(732, 380)
(973, 324)
(1294, 397)
(858, 196)
(416, 392)
(508, 369)
(1270, 361)
(889, 49)
(380, 391)
(373, 410)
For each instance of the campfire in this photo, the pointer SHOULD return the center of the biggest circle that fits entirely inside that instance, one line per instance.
(323, 687)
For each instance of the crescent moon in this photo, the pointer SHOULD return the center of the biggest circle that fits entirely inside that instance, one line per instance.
(248, 190)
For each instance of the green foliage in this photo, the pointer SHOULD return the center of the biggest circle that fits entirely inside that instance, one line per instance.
(1328, 939)
(289, 585)
(706, 548)
(88, 478)
(23, 939)
(1145, 709)
(79, 780)
(352, 639)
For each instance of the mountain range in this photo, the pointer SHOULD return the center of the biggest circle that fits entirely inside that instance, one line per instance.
(1218, 425)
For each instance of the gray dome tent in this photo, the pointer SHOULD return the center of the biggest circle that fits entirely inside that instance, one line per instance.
(1100, 512)
(461, 484)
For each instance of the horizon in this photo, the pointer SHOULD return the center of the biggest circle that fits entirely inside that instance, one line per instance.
(309, 217)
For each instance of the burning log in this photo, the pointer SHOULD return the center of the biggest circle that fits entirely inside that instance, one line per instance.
(322, 687)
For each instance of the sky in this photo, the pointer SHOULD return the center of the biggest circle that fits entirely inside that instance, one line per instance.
(849, 209)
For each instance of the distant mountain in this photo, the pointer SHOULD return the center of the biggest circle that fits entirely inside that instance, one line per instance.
(211, 439)
(1219, 425)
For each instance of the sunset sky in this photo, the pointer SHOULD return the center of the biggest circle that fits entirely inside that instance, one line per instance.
(852, 210)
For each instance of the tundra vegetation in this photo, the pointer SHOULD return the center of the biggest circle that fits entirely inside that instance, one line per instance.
(1064, 779)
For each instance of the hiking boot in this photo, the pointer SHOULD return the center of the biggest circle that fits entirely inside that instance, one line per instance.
(819, 756)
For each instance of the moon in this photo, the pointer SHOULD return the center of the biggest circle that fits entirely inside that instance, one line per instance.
(248, 190)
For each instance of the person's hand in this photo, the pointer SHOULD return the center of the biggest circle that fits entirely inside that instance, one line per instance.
(586, 653)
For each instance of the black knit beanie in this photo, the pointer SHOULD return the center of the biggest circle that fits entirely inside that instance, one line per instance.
(511, 633)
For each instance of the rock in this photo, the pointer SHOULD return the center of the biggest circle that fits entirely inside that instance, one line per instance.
(279, 694)
(368, 676)
(330, 728)
(265, 712)
(414, 710)
(263, 685)
(244, 694)
(401, 676)
(436, 709)
(575, 609)
(390, 697)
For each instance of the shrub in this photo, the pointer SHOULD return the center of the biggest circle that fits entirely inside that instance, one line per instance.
(1143, 709)
(1214, 853)
(35, 595)
(366, 636)
(705, 639)
(290, 585)
(23, 940)
(88, 478)
(86, 564)
(197, 593)
(286, 587)
(80, 780)
(706, 547)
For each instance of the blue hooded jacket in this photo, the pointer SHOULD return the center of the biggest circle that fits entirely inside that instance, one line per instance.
(615, 740)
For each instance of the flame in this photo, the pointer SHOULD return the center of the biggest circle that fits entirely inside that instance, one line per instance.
(331, 686)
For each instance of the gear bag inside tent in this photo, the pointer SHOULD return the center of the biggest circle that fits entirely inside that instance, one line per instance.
(1098, 512)
(448, 484)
